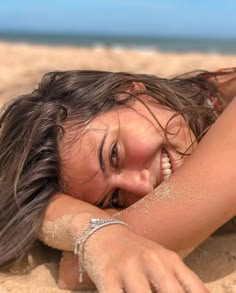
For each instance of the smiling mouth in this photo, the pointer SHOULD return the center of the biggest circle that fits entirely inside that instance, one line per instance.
(166, 167)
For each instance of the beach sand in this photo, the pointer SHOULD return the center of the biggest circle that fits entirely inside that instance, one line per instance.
(22, 65)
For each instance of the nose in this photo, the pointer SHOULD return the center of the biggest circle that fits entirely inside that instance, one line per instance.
(137, 182)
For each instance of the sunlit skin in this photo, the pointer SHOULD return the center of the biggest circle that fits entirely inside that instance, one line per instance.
(132, 151)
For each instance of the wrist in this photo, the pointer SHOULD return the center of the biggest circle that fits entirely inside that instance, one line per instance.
(80, 223)
(95, 224)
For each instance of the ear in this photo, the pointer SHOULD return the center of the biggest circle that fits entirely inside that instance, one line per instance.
(135, 86)
(132, 87)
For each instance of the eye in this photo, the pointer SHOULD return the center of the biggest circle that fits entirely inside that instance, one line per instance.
(114, 156)
(115, 202)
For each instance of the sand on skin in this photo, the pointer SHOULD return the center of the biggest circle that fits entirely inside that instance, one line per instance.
(22, 65)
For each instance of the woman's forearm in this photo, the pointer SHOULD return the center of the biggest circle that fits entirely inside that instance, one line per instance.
(198, 198)
(65, 218)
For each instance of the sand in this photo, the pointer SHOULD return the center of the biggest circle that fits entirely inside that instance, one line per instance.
(22, 65)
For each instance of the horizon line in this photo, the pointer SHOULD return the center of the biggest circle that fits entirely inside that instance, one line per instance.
(113, 34)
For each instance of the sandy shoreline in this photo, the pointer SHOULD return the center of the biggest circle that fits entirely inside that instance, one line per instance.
(22, 65)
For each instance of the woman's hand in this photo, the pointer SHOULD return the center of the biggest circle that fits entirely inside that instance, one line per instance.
(118, 260)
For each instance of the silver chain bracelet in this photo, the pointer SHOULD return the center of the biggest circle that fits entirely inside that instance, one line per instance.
(95, 224)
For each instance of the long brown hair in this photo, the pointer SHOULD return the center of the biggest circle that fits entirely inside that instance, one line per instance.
(31, 127)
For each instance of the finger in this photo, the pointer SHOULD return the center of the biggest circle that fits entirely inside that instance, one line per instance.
(161, 277)
(110, 283)
(189, 280)
(136, 282)
(164, 281)
(110, 287)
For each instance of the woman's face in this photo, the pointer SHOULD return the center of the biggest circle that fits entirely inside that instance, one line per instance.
(122, 155)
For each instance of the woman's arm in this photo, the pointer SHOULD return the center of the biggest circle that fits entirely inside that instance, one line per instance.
(114, 255)
(198, 198)
(65, 218)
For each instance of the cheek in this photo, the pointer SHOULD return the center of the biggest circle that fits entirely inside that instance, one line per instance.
(141, 141)
(142, 147)
(180, 134)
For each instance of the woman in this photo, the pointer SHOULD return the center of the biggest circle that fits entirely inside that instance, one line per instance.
(89, 140)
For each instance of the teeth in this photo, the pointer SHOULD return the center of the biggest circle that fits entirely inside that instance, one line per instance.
(165, 160)
(166, 171)
(166, 165)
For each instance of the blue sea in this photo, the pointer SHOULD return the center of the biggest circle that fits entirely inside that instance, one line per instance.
(166, 44)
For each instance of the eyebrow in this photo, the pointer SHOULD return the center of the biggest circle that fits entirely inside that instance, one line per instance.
(101, 160)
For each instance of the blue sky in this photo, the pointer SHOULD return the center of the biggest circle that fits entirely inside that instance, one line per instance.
(200, 18)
